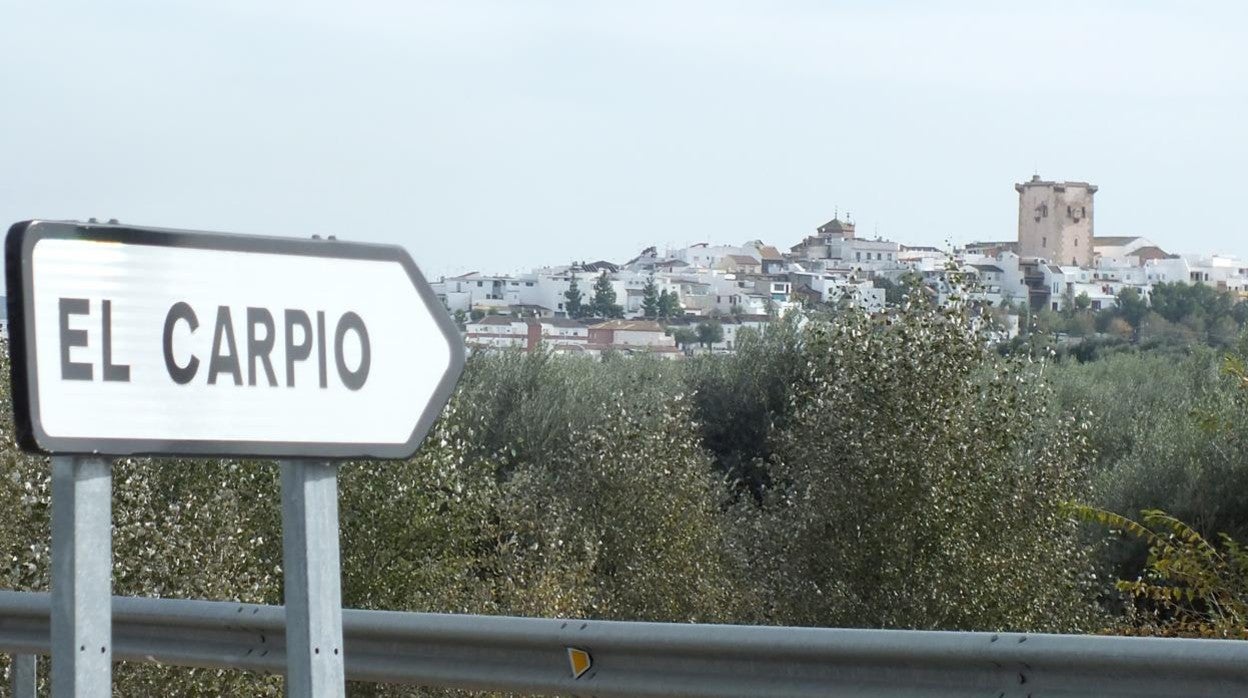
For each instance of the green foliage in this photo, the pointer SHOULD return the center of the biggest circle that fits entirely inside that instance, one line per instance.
(710, 332)
(572, 300)
(1172, 434)
(650, 299)
(1047, 322)
(1080, 324)
(606, 503)
(685, 337)
(1178, 301)
(1181, 318)
(1190, 586)
(893, 292)
(740, 398)
(669, 305)
(916, 485)
(886, 471)
(624, 526)
(1132, 307)
(603, 303)
(908, 287)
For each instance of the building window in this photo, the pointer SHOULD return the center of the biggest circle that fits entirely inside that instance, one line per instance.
(478, 284)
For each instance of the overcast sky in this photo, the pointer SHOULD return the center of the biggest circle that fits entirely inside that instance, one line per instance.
(502, 135)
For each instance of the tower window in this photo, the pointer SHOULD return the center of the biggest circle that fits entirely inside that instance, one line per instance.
(1044, 242)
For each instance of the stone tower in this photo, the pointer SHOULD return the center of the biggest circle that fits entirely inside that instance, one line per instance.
(1055, 221)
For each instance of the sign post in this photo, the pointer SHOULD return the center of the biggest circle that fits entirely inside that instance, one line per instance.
(82, 581)
(24, 678)
(313, 584)
(131, 341)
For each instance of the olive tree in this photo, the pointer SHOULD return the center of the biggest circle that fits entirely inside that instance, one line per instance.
(917, 484)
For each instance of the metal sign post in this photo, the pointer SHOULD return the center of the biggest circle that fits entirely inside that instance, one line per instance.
(313, 581)
(82, 581)
(146, 341)
(24, 676)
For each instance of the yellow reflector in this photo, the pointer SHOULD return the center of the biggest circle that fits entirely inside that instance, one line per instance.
(580, 661)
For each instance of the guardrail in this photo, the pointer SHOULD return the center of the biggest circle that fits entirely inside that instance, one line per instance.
(658, 659)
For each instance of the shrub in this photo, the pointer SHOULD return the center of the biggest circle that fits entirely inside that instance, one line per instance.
(917, 483)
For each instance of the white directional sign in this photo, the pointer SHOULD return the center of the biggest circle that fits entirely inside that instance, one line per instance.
(148, 341)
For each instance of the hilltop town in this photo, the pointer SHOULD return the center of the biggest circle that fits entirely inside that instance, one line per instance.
(704, 294)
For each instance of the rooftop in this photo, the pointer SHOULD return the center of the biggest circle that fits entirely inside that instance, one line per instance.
(1153, 252)
(1113, 240)
(562, 322)
(1035, 181)
(496, 320)
(770, 253)
(629, 325)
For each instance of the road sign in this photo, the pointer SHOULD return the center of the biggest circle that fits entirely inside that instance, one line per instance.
(133, 340)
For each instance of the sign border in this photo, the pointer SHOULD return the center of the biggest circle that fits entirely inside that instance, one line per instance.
(19, 245)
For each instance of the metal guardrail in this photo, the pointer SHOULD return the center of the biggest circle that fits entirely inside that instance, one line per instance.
(658, 659)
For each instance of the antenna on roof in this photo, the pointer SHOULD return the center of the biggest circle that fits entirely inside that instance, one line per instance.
(836, 212)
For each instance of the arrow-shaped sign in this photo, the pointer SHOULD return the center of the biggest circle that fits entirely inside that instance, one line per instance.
(150, 341)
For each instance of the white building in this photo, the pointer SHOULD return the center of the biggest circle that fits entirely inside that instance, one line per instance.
(497, 332)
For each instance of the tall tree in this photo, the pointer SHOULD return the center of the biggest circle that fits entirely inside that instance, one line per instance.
(603, 303)
(572, 300)
(978, 516)
(1133, 307)
(669, 304)
(710, 333)
(685, 337)
(650, 299)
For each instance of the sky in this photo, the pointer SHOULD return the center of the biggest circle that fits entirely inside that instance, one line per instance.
(498, 136)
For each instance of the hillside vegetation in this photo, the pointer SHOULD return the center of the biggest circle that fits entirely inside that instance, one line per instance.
(889, 471)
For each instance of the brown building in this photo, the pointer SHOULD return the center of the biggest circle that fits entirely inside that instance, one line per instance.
(630, 335)
(1055, 221)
